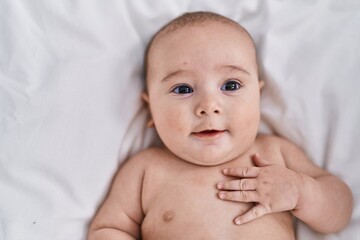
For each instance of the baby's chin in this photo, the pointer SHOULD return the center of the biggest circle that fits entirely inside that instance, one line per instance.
(210, 154)
(207, 158)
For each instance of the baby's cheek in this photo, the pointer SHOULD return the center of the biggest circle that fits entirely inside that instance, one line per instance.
(176, 121)
(246, 122)
(170, 126)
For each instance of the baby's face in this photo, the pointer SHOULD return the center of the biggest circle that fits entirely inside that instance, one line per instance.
(203, 92)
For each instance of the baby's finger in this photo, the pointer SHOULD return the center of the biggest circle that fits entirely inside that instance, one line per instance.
(259, 161)
(242, 172)
(239, 196)
(254, 212)
(242, 184)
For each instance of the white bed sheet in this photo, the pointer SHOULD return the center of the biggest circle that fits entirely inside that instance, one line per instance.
(70, 112)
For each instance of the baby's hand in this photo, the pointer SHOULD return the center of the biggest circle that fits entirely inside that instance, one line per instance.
(273, 188)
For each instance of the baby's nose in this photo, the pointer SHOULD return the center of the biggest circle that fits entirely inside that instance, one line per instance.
(208, 106)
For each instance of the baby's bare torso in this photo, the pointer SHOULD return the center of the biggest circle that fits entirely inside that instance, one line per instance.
(180, 202)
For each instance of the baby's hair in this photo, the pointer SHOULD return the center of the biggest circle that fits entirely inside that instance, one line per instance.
(195, 18)
(191, 19)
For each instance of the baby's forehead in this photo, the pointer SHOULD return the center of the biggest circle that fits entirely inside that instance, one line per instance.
(227, 30)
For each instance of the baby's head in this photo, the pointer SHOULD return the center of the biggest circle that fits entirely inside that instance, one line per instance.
(203, 88)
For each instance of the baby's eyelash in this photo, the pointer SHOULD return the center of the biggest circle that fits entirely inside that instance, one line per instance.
(182, 89)
(231, 85)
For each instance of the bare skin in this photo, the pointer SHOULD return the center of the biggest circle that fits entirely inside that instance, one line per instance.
(179, 200)
(168, 198)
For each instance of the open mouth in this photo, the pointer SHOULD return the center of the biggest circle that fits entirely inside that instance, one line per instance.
(208, 133)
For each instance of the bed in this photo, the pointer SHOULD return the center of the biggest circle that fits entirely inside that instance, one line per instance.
(71, 113)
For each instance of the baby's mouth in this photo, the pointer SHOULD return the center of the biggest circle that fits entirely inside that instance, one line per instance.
(208, 133)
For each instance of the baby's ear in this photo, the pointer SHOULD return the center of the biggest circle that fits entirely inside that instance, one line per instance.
(150, 122)
(145, 97)
(261, 84)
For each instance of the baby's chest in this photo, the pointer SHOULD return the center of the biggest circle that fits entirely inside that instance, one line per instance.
(188, 200)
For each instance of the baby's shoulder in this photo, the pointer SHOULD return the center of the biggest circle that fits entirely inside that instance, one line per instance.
(273, 141)
(149, 152)
(268, 141)
(276, 148)
(147, 157)
(270, 146)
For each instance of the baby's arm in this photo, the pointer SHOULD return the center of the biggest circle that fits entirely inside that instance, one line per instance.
(121, 214)
(325, 202)
(313, 195)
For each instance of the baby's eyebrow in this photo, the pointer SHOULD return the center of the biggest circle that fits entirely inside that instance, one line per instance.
(229, 68)
(173, 74)
(234, 68)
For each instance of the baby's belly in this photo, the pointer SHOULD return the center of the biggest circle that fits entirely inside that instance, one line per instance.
(187, 218)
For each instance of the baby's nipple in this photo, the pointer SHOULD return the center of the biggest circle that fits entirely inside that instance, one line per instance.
(168, 215)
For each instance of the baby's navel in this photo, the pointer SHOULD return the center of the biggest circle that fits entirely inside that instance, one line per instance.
(168, 215)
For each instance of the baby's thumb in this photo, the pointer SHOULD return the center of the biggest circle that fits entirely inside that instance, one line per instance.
(259, 161)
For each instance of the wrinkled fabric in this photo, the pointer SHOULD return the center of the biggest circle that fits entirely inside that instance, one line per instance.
(71, 112)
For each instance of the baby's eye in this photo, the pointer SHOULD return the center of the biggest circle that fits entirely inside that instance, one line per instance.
(182, 89)
(231, 85)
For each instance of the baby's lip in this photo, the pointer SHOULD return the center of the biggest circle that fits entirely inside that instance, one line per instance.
(208, 133)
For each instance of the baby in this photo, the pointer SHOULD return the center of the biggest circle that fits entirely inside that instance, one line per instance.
(215, 177)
